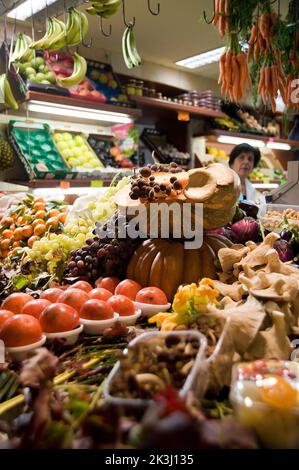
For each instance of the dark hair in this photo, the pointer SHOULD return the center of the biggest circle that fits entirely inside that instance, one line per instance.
(244, 148)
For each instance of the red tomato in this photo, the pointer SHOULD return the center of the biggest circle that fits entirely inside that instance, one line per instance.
(100, 293)
(59, 317)
(35, 307)
(95, 309)
(108, 283)
(83, 285)
(74, 297)
(51, 294)
(128, 288)
(20, 330)
(122, 305)
(15, 302)
(151, 295)
(4, 315)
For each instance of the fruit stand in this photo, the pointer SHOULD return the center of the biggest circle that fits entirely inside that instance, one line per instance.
(145, 302)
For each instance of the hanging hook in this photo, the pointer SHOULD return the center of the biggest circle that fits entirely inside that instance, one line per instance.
(107, 35)
(155, 13)
(131, 23)
(214, 15)
(84, 44)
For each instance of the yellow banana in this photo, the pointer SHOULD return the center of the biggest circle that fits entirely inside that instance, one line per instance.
(79, 72)
(40, 44)
(57, 39)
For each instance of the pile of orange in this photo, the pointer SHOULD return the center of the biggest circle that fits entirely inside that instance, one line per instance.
(28, 221)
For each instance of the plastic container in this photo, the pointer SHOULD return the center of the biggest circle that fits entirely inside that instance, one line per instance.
(130, 320)
(96, 327)
(272, 222)
(273, 415)
(22, 352)
(191, 382)
(36, 150)
(70, 337)
(148, 310)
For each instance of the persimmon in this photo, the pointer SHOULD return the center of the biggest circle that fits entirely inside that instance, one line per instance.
(122, 305)
(51, 294)
(95, 309)
(74, 297)
(129, 288)
(83, 285)
(15, 302)
(35, 307)
(20, 330)
(59, 317)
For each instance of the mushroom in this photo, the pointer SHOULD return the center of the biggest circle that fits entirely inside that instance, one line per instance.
(257, 257)
(235, 291)
(201, 186)
(228, 257)
(227, 302)
(274, 286)
(150, 379)
(272, 343)
(285, 308)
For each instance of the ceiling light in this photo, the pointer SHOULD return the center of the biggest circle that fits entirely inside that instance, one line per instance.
(200, 60)
(226, 139)
(76, 112)
(24, 11)
(278, 146)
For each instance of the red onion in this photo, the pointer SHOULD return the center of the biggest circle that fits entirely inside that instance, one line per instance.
(284, 250)
(246, 229)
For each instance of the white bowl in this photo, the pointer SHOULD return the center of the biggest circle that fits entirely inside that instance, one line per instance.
(96, 327)
(130, 319)
(70, 337)
(22, 352)
(148, 310)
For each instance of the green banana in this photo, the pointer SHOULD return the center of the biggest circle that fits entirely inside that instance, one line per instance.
(57, 39)
(131, 48)
(76, 27)
(79, 72)
(130, 53)
(6, 92)
(20, 50)
(125, 52)
(40, 44)
(106, 9)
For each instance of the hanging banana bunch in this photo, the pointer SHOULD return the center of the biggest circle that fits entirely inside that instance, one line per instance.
(104, 8)
(6, 95)
(22, 50)
(54, 38)
(79, 72)
(76, 27)
(130, 53)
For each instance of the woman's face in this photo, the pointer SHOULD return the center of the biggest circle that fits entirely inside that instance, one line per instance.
(244, 164)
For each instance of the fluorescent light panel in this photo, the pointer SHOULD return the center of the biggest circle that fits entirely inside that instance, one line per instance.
(77, 112)
(226, 139)
(22, 12)
(59, 192)
(278, 146)
(200, 60)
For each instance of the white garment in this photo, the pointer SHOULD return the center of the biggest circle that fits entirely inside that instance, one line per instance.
(255, 196)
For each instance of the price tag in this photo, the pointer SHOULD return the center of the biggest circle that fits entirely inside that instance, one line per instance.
(97, 184)
(64, 185)
(183, 116)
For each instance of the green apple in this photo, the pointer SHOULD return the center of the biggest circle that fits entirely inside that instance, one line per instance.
(51, 77)
(40, 77)
(37, 62)
(30, 71)
(67, 136)
(67, 153)
(32, 77)
(46, 82)
(58, 137)
(72, 161)
(79, 141)
(62, 145)
(77, 152)
(43, 69)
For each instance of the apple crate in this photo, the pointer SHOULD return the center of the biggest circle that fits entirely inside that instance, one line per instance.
(76, 151)
(35, 148)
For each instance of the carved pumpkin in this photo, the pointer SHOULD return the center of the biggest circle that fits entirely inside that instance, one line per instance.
(167, 264)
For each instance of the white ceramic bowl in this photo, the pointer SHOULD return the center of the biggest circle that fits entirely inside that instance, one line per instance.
(70, 337)
(148, 310)
(96, 327)
(130, 319)
(22, 352)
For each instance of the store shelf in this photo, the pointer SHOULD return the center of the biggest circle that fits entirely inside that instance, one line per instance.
(134, 113)
(145, 101)
(244, 135)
